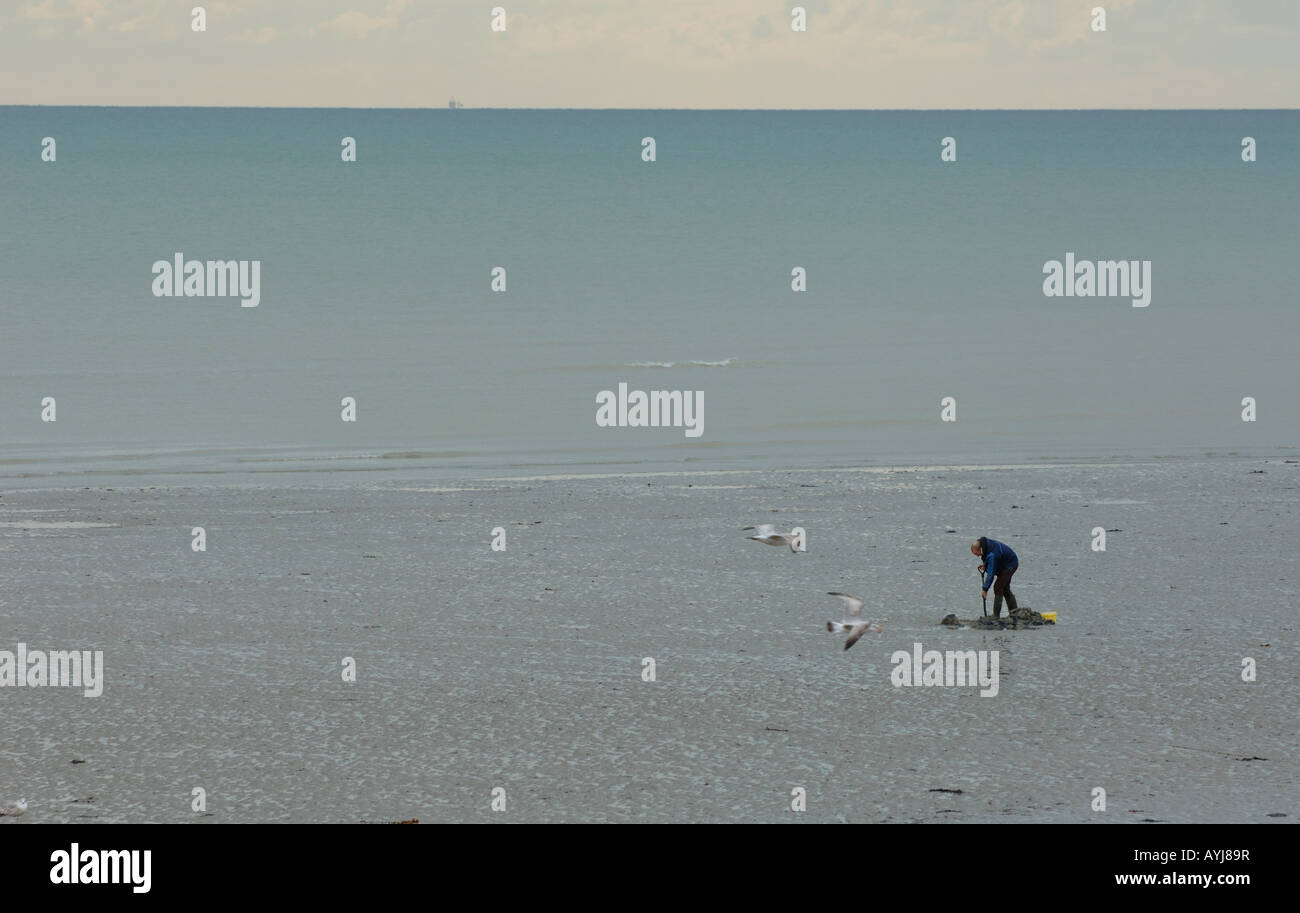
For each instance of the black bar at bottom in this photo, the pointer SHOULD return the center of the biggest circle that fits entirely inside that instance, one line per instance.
(337, 862)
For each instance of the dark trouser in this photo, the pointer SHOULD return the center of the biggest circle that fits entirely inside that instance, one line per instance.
(1002, 588)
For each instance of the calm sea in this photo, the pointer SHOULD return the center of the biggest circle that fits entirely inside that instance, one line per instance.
(924, 280)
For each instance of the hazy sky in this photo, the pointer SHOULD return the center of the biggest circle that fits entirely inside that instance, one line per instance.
(654, 53)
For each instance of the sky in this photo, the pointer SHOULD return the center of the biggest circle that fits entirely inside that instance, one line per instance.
(859, 54)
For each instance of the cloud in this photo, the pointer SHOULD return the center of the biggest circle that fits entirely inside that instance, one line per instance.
(43, 11)
(358, 24)
(89, 12)
(265, 35)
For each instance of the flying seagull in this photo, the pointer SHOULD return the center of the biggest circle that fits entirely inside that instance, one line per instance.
(853, 625)
(767, 534)
(14, 809)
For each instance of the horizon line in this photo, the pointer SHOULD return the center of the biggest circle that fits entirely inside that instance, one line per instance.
(561, 108)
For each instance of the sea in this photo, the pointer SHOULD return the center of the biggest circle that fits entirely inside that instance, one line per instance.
(923, 281)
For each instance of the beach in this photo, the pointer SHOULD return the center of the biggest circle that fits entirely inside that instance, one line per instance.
(346, 379)
(523, 669)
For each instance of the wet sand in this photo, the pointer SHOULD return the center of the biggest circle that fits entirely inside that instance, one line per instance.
(522, 669)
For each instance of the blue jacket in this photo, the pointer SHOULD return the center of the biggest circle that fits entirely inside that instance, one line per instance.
(1000, 558)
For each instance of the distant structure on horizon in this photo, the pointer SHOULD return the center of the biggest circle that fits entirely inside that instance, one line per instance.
(453, 104)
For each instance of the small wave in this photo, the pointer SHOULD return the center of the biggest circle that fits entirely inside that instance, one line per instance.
(725, 363)
(54, 524)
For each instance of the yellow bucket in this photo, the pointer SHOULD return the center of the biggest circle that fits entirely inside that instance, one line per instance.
(1049, 616)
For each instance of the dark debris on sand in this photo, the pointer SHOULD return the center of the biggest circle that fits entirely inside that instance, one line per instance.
(1025, 617)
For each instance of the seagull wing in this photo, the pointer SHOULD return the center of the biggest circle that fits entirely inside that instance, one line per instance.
(762, 531)
(858, 630)
(852, 605)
